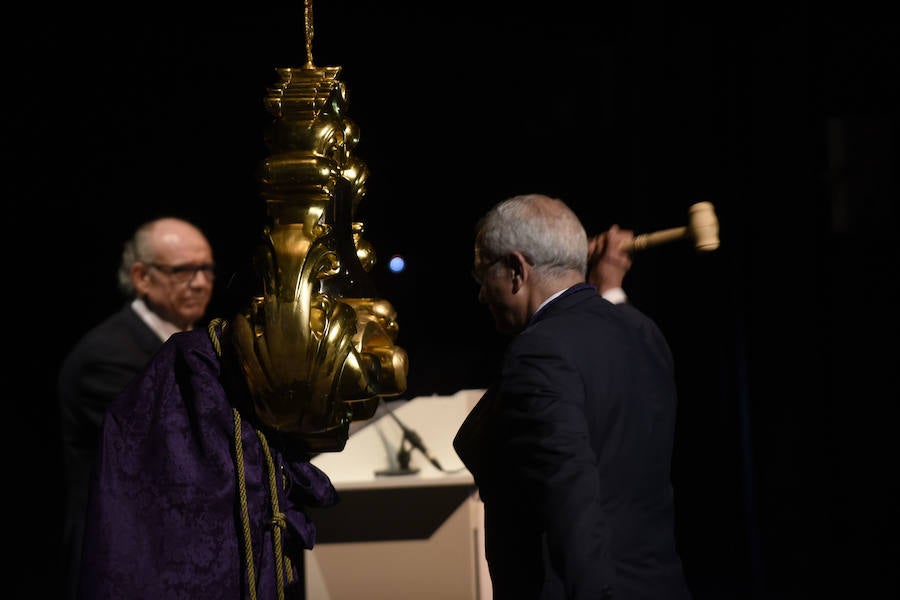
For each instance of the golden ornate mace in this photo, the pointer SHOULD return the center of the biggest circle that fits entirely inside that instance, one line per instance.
(315, 346)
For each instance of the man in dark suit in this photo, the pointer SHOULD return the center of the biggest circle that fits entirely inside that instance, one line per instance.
(571, 447)
(167, 273)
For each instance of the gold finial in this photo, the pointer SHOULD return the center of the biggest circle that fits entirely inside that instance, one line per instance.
(308, 17)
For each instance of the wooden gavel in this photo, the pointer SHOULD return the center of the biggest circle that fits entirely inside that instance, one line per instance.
(703, 227)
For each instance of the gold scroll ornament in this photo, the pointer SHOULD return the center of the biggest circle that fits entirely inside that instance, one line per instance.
(316, 346)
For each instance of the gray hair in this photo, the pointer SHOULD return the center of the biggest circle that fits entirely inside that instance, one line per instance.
(137, 249)
(544, 229)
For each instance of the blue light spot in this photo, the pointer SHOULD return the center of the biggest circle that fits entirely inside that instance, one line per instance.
(397, 264)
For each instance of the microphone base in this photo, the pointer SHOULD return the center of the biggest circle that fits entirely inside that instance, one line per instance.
(391, 472)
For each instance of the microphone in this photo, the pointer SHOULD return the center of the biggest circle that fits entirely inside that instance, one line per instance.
(413, 438)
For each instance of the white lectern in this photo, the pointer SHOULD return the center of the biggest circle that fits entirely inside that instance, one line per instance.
(400, 536)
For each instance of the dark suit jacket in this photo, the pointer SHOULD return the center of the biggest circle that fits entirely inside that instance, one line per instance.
(571, 451)
(97, 368)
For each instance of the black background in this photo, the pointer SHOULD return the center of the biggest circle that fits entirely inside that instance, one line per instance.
(785, 117)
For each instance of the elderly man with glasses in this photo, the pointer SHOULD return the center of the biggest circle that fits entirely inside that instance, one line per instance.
(167, 273)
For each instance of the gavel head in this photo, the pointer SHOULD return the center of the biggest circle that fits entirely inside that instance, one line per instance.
(703, 226)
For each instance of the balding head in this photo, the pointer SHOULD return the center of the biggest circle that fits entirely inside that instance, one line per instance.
(169, 264)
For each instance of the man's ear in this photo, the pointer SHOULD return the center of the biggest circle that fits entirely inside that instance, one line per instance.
(139, 274)
(519, 267)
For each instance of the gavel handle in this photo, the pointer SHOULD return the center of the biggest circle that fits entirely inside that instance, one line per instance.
(645, 240)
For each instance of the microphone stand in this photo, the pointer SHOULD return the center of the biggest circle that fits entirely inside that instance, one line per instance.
(408, 442)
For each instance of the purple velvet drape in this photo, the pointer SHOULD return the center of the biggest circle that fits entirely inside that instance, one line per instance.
(164, 518)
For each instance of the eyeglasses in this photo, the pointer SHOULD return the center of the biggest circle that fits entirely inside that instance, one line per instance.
(185, 273)
(479, 271)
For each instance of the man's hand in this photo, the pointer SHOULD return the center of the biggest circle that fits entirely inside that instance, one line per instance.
(607, 261)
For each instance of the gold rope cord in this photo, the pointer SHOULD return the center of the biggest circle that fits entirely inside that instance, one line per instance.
(282, 563)
(278, 519)
(308, 28)
(245, 516)
(214, 337)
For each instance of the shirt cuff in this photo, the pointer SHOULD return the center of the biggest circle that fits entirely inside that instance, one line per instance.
(615, 295)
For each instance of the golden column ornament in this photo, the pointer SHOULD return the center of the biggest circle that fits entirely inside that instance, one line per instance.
(315, 345)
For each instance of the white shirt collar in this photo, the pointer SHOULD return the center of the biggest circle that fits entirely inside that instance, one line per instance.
(161, 327)
(549, 300)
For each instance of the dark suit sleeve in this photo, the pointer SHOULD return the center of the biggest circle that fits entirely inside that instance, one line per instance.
(548, 451)
(100, 383)
(99, 367)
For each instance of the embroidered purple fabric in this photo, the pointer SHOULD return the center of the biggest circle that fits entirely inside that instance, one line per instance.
(164, 517)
